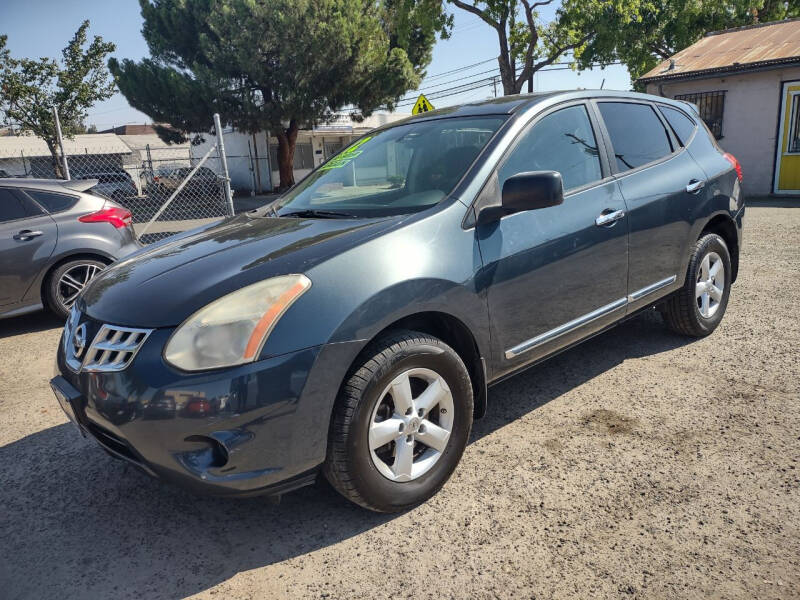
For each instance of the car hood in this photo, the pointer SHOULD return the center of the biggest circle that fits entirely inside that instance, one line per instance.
(162, 285)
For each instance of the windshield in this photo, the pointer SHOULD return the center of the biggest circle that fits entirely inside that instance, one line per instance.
(394, 171)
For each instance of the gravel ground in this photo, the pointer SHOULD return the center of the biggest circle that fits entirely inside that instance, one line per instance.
(639, 464)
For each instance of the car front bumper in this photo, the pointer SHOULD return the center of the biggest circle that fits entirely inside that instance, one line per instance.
(259, 428)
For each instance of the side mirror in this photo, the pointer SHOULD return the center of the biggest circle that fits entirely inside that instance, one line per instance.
(526, 191)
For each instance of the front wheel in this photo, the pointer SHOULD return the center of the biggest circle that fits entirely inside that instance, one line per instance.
(401, 423)
(697, 308)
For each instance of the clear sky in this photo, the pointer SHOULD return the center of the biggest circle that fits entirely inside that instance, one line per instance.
(43, 27)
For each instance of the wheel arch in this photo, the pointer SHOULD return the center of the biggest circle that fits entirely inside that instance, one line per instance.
(724, 226)
(65, 258)
(453, 332)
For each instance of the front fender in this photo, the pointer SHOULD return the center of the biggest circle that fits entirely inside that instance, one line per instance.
(429, 264)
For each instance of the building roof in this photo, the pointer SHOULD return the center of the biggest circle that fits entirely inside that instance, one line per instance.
(141, 141)
(733, 50)
(131, 129)
(91, 143)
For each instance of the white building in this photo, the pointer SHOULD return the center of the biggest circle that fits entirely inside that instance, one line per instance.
(28, 155)
(746, 83)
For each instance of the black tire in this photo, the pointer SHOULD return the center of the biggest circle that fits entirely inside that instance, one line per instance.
(349, 465)
(681, 311)
(53, 297)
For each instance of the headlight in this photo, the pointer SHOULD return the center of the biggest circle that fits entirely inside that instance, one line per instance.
(232, 329)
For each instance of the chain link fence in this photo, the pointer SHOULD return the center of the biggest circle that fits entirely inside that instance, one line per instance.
(168, 189)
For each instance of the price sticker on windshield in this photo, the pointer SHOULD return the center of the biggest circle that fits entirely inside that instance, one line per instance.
(346, 156)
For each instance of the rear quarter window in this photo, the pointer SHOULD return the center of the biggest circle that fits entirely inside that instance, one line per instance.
(53, 202)
(682, 125)
(637, 134)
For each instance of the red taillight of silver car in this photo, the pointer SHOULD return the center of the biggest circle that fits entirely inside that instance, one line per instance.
(118, 217)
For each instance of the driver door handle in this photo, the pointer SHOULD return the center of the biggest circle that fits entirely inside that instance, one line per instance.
(27, 234)
(609, 218)
(695, 185)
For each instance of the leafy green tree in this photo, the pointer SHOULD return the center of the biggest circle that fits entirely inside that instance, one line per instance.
(30, 88)
(528, 44)
(276, 64)
(663, 27)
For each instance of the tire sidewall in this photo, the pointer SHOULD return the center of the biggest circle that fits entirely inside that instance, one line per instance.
(51, 290)
(368, 480)
(710, 243)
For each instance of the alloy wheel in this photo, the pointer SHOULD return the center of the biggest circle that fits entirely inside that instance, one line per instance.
(411, 425)
(73, 280)
(710, 284)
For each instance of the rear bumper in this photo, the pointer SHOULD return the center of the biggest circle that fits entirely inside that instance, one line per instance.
(256, 429)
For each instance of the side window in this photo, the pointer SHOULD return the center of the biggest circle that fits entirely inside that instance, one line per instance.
(562, 141)
(636, 132)
(52, 202)
(11, 206)
(682, 125)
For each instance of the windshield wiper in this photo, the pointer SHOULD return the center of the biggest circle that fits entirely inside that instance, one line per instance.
(318, 214)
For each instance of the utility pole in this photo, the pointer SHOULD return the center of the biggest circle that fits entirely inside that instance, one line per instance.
(494, 85)
(61, 144)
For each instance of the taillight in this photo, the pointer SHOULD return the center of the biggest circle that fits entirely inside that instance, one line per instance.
(732, 159)
(118, 217)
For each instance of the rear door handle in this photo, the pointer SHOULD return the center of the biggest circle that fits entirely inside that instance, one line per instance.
(609, 218)
(695, 185)
(27, 234)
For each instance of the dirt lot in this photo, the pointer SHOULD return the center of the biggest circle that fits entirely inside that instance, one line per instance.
(640, 464)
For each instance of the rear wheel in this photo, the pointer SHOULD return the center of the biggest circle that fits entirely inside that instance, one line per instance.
(401, 423)
(67, 281)
(697, 308)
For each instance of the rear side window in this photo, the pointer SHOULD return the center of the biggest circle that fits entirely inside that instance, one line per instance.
(53, 203)
(562, 141)
(14, 205)
(682, 125)
(636, 132)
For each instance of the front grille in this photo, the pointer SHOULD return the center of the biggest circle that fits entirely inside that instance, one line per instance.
(112, 349)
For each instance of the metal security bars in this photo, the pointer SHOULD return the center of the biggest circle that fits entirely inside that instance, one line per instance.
(711, 106)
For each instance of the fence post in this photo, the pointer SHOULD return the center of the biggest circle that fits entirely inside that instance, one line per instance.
(61, 144)
(224, 162)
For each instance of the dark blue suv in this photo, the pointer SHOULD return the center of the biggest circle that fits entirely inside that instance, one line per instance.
(353, 326)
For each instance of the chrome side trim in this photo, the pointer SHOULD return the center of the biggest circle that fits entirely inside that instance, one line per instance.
(638, 294)
(565, 328)
(548, 336)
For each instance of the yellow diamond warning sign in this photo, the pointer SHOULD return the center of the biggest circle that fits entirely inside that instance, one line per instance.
(422, 105)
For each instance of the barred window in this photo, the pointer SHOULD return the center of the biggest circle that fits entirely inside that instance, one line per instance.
(711, 105)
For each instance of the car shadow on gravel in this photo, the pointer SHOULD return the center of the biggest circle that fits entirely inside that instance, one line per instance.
(75, 522)
(643, 335)
(30, 323)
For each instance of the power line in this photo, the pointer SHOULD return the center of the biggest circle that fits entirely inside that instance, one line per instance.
(459, 69)
(463, 79)
(480, 83)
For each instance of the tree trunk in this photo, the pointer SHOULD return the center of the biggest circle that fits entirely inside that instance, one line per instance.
(287, 138)
(58, 168)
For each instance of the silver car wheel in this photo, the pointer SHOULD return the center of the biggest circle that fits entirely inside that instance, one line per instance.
(710, 284)
(73, 280)
(411, 425)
